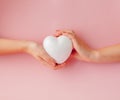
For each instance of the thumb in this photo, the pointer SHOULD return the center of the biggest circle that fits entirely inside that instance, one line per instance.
(58, 33)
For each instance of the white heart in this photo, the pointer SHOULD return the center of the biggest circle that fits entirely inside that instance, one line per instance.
(58, 48)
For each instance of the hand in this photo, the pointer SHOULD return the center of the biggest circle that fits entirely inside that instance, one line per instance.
(82, 50)
(78, 44)
(68, 33)
(38, 52)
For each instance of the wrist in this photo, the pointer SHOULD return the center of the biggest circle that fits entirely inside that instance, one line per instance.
(27, 45)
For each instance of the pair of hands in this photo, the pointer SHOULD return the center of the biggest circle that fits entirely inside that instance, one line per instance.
(38, 52)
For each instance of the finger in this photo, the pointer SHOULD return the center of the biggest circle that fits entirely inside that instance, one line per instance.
(55, 35)
(48, 59)
(70, 35)
(45, 63)
(44, 55)
(62, 65)
(58, 66)
(68, 31)
(41, 60)
(57, 30)
(61, 33)
(58, 33)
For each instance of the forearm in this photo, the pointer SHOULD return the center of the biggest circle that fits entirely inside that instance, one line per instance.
(102, 55)
(8, 46)
(109, 53)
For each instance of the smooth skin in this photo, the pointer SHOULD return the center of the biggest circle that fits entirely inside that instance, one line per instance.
(9, 46)
(81, 50)
(84, 52)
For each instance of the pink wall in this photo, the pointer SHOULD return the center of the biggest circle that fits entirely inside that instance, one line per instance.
(24, 78)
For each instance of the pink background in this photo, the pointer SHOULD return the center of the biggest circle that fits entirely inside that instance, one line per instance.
(24, 78)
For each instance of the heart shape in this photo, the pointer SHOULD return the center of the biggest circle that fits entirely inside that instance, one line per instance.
(59, 48)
